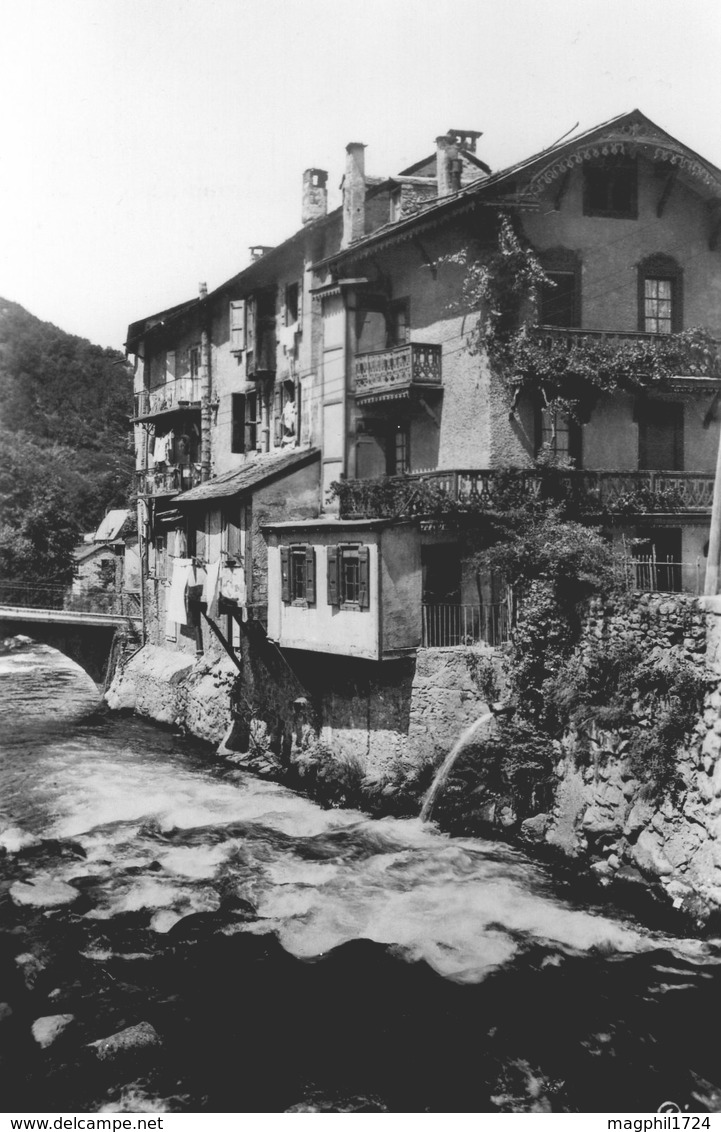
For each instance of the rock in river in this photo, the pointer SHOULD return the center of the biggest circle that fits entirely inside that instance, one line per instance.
(43, 892)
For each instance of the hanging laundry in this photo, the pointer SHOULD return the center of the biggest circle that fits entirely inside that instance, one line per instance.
(210, 590)
(287, 337)
(177, 609)
(160, 450)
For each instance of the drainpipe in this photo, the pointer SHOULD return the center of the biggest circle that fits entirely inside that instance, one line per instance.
(713, 562)
(204, 394)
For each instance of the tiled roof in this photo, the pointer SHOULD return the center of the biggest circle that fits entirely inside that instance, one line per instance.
(251, 475)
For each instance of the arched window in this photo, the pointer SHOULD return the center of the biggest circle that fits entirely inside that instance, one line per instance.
(660, 295)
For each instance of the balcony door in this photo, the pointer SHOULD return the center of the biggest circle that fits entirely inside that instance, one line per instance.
(660, 436)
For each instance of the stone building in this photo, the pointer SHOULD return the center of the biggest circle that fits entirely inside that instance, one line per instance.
(353, 354)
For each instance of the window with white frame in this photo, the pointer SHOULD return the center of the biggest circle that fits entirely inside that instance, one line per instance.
(297, 570)
(349, 576)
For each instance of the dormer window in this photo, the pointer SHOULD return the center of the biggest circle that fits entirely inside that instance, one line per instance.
(610, 188)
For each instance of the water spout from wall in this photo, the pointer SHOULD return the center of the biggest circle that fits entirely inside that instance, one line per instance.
(447, 765)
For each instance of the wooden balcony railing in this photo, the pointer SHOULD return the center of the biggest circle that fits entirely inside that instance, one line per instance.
(168, 480)
(589, 493)
(400, 366)
(181, 394)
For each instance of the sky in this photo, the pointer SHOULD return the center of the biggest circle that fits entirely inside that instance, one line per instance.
(147, 144)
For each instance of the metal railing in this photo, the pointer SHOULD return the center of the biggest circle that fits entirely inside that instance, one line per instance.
(37, 595)
(450, 625)
(399, 366)
(665, 575)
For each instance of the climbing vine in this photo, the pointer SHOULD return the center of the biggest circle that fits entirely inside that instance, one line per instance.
(567, 373)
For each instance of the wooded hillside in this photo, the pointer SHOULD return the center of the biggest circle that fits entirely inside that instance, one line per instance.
(65, 440)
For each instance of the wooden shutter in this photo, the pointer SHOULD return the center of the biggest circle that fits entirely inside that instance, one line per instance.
(310, 575)
(364, 576)
(300, 305)
(285, 573)
(237, 442)
(333, 575)
(237, 326)
(170, 365)
(250, 334)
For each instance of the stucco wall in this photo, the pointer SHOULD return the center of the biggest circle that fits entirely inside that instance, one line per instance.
(611, 249)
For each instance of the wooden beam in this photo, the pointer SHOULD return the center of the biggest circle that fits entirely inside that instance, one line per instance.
(562, 190)
(228, 648)
(666, 191)
(427, 259)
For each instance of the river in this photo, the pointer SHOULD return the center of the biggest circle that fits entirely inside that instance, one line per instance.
(292, 958)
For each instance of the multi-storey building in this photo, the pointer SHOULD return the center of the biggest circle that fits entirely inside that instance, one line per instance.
(354, 354)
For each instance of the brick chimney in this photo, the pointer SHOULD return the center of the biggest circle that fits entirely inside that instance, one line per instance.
(354, 194)
(448, 164)
(315, 195)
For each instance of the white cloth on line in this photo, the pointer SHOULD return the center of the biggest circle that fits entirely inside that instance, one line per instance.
(177, 608)
(210, 589)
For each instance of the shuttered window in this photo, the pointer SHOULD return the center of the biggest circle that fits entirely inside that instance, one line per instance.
(349, 576)
(297, 575)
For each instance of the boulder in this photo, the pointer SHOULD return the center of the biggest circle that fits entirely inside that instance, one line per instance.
(48, 1029)
(43, 892)
(534, 829)
(139, 1042)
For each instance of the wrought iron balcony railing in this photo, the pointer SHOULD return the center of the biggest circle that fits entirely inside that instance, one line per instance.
(181, 394)
(168, 480)
(590, 493)
(447, 626)
(398, 367)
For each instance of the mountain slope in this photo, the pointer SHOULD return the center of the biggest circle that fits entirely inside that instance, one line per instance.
(65, 438)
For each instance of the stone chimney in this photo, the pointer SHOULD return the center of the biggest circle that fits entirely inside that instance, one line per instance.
(354, 194)
(315, 195)
(448, 164)
(202, 290)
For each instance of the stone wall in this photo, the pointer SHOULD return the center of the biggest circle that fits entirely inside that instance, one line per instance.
(603, 813)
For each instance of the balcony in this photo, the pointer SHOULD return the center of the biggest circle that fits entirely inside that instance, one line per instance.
(169, 480)
(392, 373)
(424, 494)
(688, 357)
(172, 397)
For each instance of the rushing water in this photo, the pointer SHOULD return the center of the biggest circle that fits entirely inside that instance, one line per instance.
(295, 958)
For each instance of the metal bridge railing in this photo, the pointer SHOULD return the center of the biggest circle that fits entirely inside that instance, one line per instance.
(38, 595)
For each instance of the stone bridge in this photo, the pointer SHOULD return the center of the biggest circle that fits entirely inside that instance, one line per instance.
(92, 640)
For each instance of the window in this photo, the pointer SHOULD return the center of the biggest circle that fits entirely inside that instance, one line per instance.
(237, 424)
(231, 534)
(660, 293)
(297, 573)
(291, 304)
(610, 188)
(660, 435)
(558, 300)
(398, 323)
(559, 435)
(348, 576)
(251, 422)
(657, 306)
(194, 361)
(399, 456)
